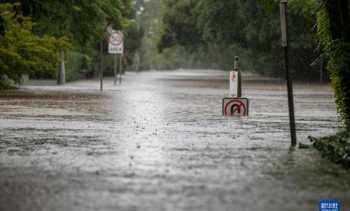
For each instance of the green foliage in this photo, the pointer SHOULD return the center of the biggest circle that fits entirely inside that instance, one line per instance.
(84, 22)
(336, 148)
(180, 24)
(74, 65)
(132, 37)
(333, 31)
(251, 25)
(23, 52)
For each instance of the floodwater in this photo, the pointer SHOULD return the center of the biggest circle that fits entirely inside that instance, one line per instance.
(159, 142)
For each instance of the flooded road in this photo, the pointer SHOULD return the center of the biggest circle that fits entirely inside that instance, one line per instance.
(159, 142)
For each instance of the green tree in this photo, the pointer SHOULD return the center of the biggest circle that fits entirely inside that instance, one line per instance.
(83, 22)
(334, 33)
(23, 52)
(247, 26)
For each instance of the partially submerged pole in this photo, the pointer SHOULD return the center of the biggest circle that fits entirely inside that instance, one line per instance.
(115, 61)
(120, 68)
(62, 71)
(284, 28)
(101, 66)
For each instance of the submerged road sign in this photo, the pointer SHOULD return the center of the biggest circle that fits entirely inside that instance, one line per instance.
(235, 107)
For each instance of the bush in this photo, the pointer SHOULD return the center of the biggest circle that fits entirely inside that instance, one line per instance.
(335, 148)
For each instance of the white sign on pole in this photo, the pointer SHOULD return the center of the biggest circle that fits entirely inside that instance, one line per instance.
(116, 43)
(233, 83)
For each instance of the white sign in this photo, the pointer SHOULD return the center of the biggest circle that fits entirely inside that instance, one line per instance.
(235, 107)
(233, 83)
(116, 43)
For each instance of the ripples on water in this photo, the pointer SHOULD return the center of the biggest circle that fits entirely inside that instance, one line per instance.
(159, 142)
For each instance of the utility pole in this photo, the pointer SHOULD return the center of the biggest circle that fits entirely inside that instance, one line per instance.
(284, 29)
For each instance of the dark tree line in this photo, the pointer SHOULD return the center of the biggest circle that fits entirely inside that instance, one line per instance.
(248, 27)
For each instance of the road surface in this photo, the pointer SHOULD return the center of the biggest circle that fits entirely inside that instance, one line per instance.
(159, 142)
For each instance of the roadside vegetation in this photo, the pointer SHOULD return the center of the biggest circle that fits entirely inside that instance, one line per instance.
(335, 148)
(212, 32)
(34, 33)
(333, 21)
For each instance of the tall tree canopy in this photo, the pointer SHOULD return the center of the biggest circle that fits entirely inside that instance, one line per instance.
(82, 23)
(248, 25)
(21, 51)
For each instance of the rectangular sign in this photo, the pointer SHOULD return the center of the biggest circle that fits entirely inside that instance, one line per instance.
(116, 43)
(235, 107)
(233, 83)
(329, 205)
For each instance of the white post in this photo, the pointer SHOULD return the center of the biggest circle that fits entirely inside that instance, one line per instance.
(233, 83)
(235, 80)
(62, 71)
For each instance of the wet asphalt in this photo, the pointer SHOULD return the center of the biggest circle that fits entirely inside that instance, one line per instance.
(159, 142)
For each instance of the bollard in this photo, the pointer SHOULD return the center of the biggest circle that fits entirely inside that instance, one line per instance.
(62, 71)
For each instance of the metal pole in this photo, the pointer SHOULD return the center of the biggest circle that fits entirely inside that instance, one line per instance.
(101, 65)
(120, 66)
(115, 69)
(239, 80)
(284, 26)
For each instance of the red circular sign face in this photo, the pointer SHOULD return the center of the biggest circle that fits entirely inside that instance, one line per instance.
(116, 39)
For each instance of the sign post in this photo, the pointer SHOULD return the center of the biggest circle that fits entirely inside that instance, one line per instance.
(236, 80)
(120, 67)
(115, 67)
(235, 105)
(116, 47)
(101, 65)
(284, 29)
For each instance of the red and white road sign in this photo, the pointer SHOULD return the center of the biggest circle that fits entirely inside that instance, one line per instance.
(116, 43)
(235, 107)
